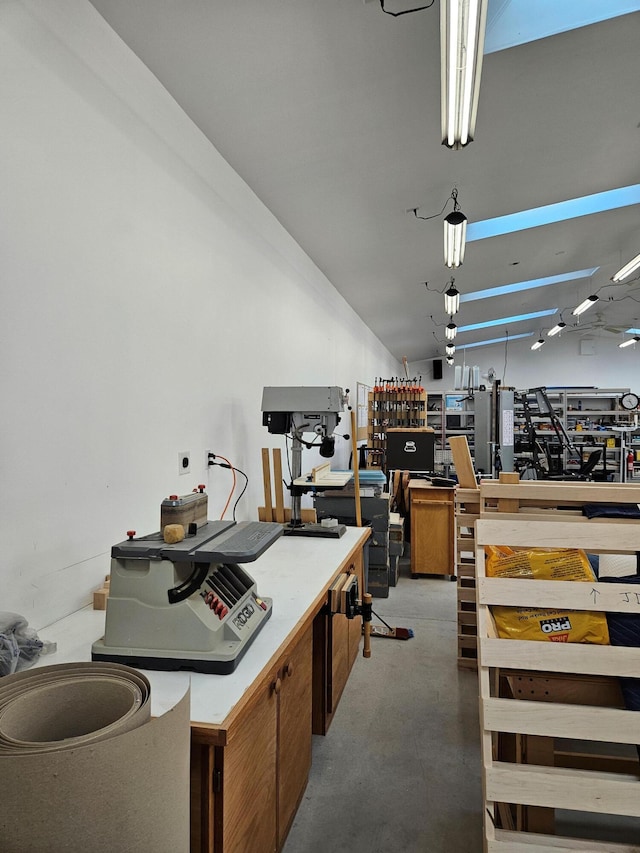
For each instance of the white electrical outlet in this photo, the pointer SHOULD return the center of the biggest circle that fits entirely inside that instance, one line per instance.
(184, 462)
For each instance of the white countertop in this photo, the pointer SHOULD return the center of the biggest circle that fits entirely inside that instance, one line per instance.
(294, 571)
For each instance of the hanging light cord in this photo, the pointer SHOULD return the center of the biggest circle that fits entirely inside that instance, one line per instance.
(453, 197)
(407, 11)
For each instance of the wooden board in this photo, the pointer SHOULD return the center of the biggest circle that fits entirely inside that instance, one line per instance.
(266, 482)
(462, 461)
(277, 485)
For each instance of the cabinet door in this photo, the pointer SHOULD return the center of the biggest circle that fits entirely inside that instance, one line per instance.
(294, 732)
(248, 819)
(336, 640)
(432, 534)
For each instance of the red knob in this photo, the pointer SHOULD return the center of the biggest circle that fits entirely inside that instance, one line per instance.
(131, 533)
(201, 487)
(173, 497)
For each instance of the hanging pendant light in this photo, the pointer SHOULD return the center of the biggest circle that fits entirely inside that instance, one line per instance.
(584, 306)
(556, 329)
(452, 299)
(627, 343)
(627, 269)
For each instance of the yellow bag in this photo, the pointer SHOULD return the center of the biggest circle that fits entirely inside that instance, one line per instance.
(558, 626)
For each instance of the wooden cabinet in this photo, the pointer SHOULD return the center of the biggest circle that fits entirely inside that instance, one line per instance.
(432, 529)
(252, 783)
(248, 774)
(336, 641)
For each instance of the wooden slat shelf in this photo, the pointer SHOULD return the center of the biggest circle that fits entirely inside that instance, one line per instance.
(532, 693)
(467, 508)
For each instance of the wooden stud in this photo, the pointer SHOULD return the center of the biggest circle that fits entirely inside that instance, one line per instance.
(277, 485)
(266, 479)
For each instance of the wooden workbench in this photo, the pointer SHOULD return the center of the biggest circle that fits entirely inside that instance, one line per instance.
(251, 730)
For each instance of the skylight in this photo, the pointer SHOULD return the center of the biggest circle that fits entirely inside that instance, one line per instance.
(495, 341)
(503, 321)
(550, 213)
(526, 285)
(510, 22)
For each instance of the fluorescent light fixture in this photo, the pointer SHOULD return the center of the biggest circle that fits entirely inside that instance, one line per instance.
(451, 299)
(584, 306)
(462, 28)
(531, 284)
(551, 213)
(449, 359)
(538, 344)
(495, 341)
(627, 269)
(455, 238)
(450, 349)
(556, 329)
(502, 321)
(451, 331)
(627, 343)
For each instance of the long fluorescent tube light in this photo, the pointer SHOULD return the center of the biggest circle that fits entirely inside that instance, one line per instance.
(503, 321)
(455, 238)
(495, 340)
(451, 299)
(549, 213)
(556, 329)
(531, 284)
(627, 269)
(538, 344)
(628, 343)
(584, 306)
(462, 29)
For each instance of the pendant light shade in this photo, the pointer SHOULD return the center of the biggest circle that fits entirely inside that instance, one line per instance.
(450, 349)
(451, 299)
(556, 329)
(451, 331)
(584, 306)
(455, 238)
(627, 343)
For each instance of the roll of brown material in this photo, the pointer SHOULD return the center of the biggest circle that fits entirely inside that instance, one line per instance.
(85, 767)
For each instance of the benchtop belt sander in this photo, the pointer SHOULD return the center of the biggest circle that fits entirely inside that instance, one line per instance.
(188, 605)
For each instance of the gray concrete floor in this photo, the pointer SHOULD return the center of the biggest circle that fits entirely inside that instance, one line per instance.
(399, 771)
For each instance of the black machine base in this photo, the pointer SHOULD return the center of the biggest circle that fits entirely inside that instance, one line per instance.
(316, 530)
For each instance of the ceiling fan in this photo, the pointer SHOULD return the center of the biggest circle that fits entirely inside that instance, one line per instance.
(599, 324)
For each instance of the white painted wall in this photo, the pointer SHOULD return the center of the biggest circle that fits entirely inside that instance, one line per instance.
(557, 363)
(148, 296)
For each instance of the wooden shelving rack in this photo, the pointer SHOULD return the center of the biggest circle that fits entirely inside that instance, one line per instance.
(393, 404)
